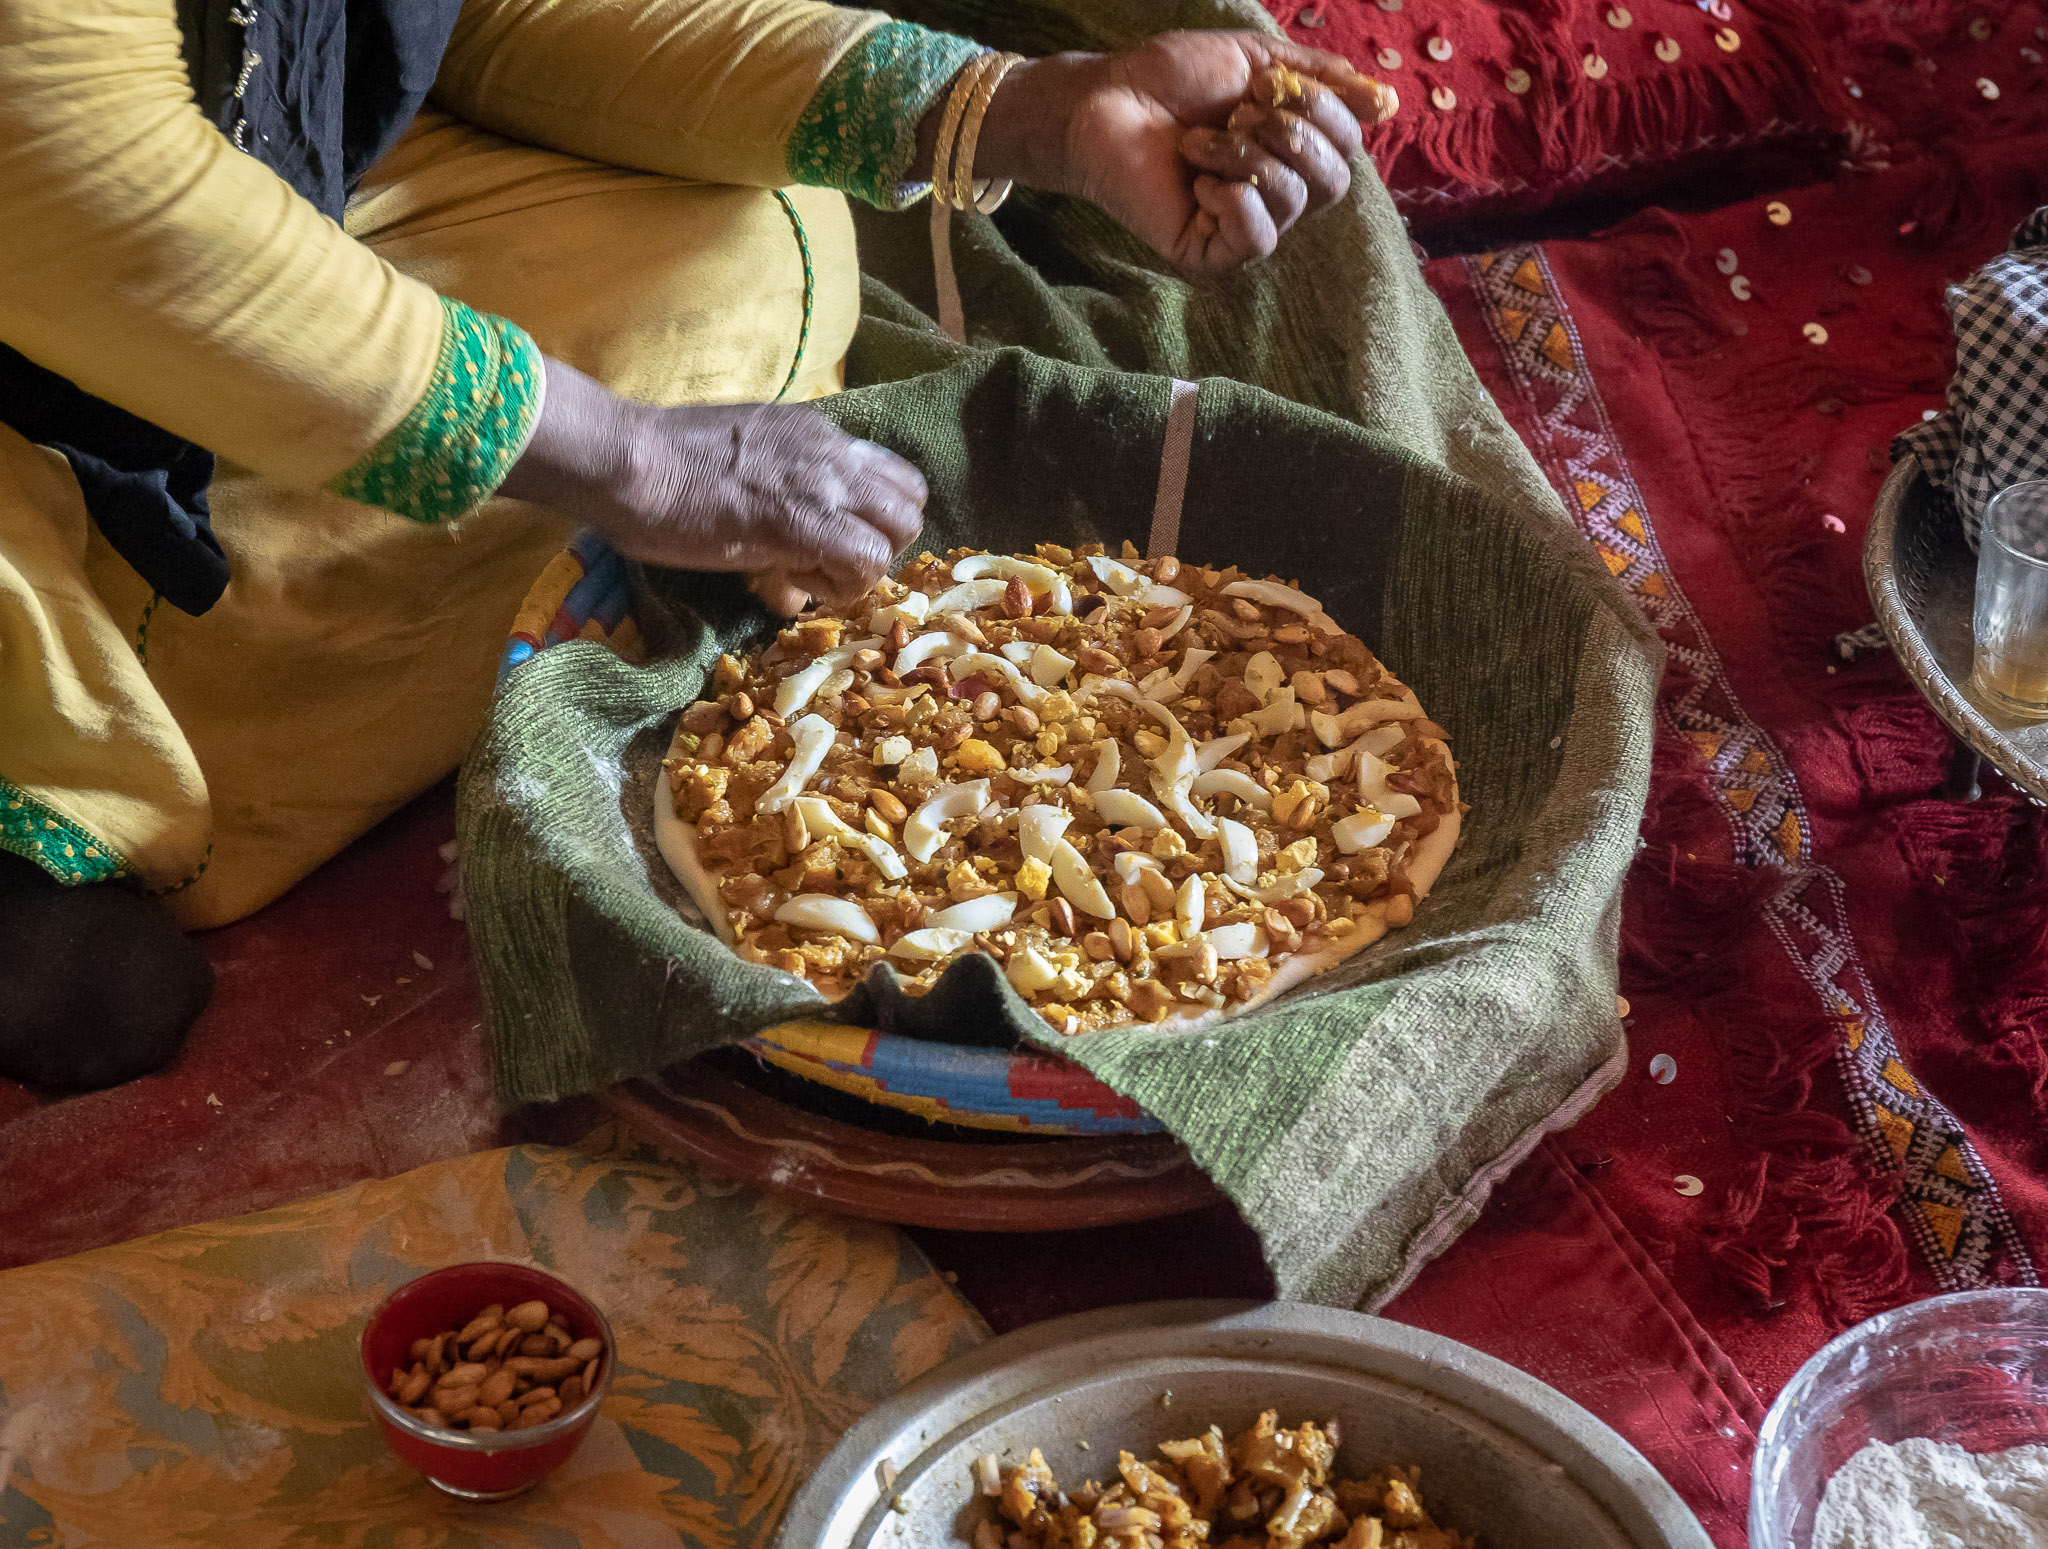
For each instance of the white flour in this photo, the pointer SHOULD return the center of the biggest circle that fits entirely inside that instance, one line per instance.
(1931, 1495)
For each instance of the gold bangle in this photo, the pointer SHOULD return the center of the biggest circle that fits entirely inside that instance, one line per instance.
(965, 195)
(949, 124)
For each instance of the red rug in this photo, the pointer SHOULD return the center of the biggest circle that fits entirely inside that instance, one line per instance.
(1844, 967)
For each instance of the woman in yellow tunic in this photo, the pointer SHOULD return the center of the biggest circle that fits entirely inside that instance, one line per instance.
(322, 322)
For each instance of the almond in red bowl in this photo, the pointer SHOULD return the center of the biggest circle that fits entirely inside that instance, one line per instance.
(486, 1377)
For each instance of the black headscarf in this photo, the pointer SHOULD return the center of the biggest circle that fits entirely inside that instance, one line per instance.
(332, 85)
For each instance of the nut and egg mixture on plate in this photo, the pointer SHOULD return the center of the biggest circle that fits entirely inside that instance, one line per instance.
(1154, 792)
(1269, 1487)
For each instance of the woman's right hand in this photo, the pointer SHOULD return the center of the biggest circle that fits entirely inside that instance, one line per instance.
(760, 488)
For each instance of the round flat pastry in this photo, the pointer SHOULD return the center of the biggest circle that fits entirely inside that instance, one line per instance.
(1153, 792)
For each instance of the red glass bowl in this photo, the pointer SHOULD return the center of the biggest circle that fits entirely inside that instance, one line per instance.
(481, 1465)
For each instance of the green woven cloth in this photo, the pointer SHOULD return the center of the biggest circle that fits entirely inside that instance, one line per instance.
(1341, 438)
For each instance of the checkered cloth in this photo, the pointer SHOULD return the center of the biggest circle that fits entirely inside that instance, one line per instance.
(1995, 431)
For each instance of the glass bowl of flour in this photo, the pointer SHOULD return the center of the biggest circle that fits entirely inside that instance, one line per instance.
(1924, 1428)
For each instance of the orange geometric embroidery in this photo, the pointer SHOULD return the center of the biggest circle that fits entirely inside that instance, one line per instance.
(1949, 1202)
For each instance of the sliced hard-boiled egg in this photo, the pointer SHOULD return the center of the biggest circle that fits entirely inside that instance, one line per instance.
(821, 911)
(1127, 809)
(966, 597)
(991, 911)
(1039, 828)
(813, 738)
(1361, 830)
(922, 834)
(1217, 749)
(1273, 595)
(1077, 884)
(929, 944)
(1030, 971)
(1119, 577)
(1240, 850)
(1263, 675)
(1108, 765)
(1049, 667)
(1235, 782)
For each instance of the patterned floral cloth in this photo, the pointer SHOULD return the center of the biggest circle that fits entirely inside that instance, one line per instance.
(199, 1387)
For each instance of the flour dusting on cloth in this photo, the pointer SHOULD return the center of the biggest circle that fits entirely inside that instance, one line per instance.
(1924, 1494)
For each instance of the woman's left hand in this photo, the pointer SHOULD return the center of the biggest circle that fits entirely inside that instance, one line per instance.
(1209, 145)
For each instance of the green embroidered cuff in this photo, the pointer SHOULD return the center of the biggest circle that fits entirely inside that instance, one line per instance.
(40, 833)
(859, 132)
(462, 437)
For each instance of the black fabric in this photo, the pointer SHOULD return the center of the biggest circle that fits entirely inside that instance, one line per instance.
(101, 986)
(332, 84)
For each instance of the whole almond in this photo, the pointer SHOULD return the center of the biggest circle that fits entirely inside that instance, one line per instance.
(1159, 618)
(963, 626)
(1246, 609)
(987, 705)
(571, 1391)
(531, 1317)
(437, 1353)
(1146, 642)
(467, 1375)
(1024, 718)
(1299, 911)
(1016, 598)
(416, 1386)
(482, 1419)
(893, 811)
(454, 1401)
(508, 1411)
(538, 1414)
(1120, 938)
(433, 1417)
(1340, 680)
(590, 1374)
(1158, 890)
(508, 1341)
(559, 1338)
(1094, 659)
(491, 1317)
(1136, 904)
(535, 1396)
(496, 1388)
(1206, 962)
(421, 1349)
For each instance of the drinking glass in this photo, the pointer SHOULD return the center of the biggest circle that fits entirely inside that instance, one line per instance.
(2011, 623)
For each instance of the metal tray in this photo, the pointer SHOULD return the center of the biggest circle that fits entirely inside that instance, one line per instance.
(1502, 1455)
(1923, 583)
